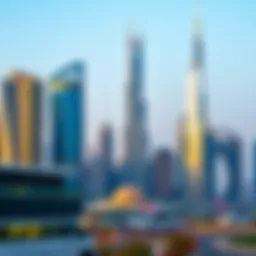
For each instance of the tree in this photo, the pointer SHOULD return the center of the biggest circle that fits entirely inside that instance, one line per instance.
(136, 249)
(180, 245)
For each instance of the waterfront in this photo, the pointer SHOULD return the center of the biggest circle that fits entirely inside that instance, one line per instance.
(73, 246)
(68, 246)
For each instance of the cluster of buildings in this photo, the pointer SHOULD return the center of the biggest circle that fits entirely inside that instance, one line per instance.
(190, 170)
(23, 117)
(31, 112)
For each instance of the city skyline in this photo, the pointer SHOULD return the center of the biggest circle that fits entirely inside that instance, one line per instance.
(166, 70)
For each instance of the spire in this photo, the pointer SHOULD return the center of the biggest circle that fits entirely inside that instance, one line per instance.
(197, 44)
(197, 27)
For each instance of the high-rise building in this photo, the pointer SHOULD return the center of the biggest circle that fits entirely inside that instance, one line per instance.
(228, 148)
(135, 130)
(106, 145)
(161, 174)
(196, 112)
(67, 100)
(21, 119)
(210, 173)
(106, 157)
(254, 170)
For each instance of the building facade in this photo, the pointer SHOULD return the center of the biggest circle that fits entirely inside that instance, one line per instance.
(195, 117)
(162, 174)
(159, 176)
(22, 119)
(135, 130)
(254, 170)
(228, 148)
(67, 103)
(106, 157)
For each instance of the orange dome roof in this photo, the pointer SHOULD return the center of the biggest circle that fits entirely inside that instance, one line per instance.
(127, 196)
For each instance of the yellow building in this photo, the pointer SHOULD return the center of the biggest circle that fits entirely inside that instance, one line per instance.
(195, 121)
(195, 152)
(21, 119)
(6, 154)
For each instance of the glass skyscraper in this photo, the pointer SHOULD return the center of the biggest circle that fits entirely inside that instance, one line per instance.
(195, 116)
(135, 145)
(67, 94)
(227, 147)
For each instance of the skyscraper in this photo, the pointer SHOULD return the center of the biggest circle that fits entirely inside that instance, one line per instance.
(135, 130)
(106, 145)
(106, 158)
(196, 111)
(67, 100)
(161, 175)
(254, 169)
(225, 146)
(21, 119)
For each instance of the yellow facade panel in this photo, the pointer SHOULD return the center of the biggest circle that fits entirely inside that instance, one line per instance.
(25, 108)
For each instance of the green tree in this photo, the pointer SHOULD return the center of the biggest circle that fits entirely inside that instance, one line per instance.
(136, 249)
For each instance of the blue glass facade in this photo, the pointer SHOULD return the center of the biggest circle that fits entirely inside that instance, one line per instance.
(68, 115)
(230, 149)
(254, 169)
(210, 149)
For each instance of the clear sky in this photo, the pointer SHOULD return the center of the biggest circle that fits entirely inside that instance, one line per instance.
(42, 35)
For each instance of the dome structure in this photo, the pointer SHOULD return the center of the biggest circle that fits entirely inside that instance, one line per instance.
(126, 196)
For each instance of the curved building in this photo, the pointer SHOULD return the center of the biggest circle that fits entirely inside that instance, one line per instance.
(67, 101)
(195, 119)
(21, 119)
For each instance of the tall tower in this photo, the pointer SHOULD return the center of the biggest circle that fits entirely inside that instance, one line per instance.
(106, 158)
(135, 133)
(67, 94)
(21, 119)
(196, 110)
(106, 145)
(162, 170)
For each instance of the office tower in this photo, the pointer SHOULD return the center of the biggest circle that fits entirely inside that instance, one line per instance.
(210, 157)
(106, 145)
(225, 147)
(67, 103)
(232, 151)
(106, 157)
(181, 142)
(5, 140)
(21, 118)
(196, 112)
(135, 130)
(161, 174)
(254, 169)
(95, 180)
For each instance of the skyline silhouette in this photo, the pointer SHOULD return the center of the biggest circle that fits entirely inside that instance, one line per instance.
(96, 32)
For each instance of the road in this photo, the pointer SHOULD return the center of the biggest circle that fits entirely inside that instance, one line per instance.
(210, 239)
(207, 247)
(212, 246)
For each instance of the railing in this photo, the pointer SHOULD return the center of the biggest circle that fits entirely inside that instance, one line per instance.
(23, 192)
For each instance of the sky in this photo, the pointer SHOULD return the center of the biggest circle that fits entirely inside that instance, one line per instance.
(40, 36)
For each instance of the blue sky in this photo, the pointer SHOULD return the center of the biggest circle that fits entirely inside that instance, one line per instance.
(42, 35)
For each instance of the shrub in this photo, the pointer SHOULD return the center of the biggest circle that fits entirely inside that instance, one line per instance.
(135, 249)
(106, 251)
(180, 245)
